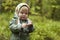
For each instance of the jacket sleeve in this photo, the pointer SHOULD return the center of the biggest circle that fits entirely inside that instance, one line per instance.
(30, 28)
(14, 27)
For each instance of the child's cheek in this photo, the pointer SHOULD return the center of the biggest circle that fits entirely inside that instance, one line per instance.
(20, 15)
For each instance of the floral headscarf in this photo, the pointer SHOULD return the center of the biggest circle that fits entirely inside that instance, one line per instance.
(19, 6)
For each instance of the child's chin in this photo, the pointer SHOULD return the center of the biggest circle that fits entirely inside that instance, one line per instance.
(23, 18)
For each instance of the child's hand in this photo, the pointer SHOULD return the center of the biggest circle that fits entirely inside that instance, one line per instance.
(24, 25)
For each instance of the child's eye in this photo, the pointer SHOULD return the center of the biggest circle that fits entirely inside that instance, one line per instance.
(21, 12)
(25, 13)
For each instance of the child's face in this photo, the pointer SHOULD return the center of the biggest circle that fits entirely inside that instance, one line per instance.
(23, 13)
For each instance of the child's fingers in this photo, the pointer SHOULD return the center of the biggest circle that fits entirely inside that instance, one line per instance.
(24, 25)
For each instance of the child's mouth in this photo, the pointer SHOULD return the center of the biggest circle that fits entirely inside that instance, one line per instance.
(23, 17)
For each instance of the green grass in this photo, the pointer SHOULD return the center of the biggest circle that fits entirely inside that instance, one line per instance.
(45, 29)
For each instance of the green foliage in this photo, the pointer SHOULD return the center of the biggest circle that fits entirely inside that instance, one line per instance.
(9, 5)
(45, 29)
(42, 7)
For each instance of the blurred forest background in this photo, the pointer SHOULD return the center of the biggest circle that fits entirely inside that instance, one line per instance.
(45, 15)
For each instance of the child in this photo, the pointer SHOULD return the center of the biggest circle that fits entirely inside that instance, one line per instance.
(20, 25)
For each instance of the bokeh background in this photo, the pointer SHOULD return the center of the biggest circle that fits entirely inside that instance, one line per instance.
(45, 15)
